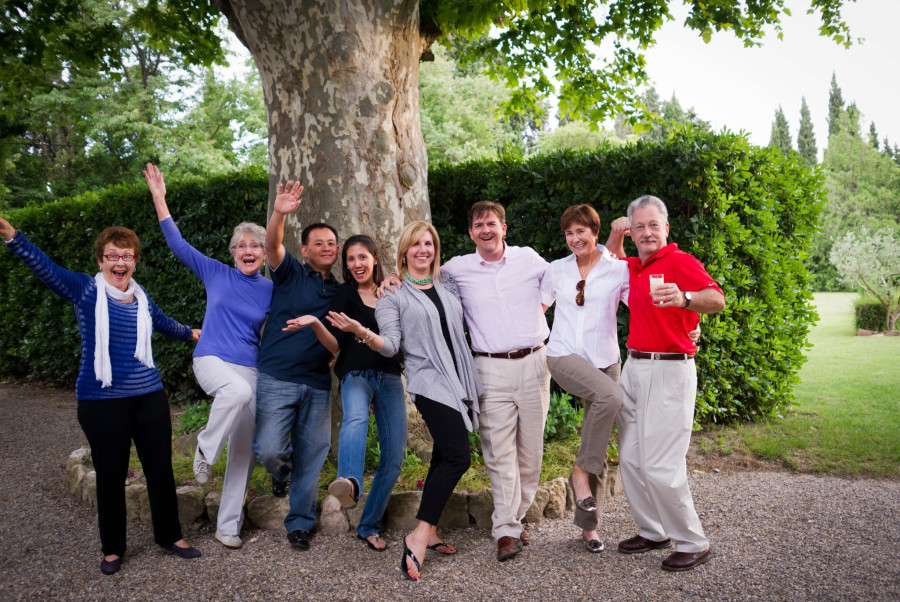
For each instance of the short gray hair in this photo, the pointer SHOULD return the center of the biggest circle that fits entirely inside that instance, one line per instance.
(648, 200)
(255, 230)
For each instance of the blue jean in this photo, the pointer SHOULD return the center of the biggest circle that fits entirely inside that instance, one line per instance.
(359, 388)
(293, 434)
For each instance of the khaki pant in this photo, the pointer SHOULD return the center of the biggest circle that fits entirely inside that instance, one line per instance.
(654, 434)
(513, 412)
(602, 399)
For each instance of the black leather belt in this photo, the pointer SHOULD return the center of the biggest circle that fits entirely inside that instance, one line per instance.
(512, 355)
(646, 355)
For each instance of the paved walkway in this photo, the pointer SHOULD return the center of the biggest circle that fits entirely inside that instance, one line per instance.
(776, 536)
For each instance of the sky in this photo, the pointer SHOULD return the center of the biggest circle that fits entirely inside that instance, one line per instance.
(740, 88)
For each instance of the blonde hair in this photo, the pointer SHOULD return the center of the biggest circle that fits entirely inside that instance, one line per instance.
(410, 235)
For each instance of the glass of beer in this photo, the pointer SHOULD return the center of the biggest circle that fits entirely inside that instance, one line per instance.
(656, 281)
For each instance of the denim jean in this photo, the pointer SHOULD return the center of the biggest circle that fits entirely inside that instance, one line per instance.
(359, 389)
(293, 434)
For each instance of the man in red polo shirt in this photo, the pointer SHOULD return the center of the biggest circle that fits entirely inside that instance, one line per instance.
(659, 382)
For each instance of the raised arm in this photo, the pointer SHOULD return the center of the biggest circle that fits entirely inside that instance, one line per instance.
(157, 186)
(68, 285)
(286, 202)
(619, 229)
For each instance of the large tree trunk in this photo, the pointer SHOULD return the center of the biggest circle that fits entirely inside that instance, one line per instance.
(341, 87)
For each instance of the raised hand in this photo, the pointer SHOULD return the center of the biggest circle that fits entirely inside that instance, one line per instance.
(288, 198)
(6, 230)
(620, 226)
(155, 181)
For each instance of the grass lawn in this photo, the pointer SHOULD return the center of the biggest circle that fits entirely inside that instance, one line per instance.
(846, 420)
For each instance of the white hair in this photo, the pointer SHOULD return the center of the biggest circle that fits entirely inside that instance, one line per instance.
(255, 230)
(645, 201)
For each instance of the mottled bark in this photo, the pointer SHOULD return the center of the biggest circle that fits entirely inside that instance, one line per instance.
(340, 79)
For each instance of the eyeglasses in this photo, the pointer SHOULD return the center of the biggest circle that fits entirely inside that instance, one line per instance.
(579, 298)
(113, 257)
(253, 246)
(652, 227)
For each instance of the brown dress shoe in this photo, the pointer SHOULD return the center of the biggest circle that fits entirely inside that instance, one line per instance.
(524, 537)
(685, 561)
(639, 545)
(507, 547)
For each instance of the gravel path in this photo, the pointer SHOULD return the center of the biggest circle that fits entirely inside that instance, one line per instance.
(775, 536)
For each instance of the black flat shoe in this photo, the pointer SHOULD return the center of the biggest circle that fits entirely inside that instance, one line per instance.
(108, 567)
(588, 504)
(280, 488)
(187, 552)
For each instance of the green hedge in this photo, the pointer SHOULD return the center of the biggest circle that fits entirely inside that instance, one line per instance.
(870, 314)
(748, 213)
(38, 334)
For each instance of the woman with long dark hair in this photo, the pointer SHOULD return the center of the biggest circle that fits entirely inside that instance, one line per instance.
(367, 379)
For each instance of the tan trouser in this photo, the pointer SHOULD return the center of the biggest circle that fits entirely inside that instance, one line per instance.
(654, 434)
(602, 398)
(513, 412)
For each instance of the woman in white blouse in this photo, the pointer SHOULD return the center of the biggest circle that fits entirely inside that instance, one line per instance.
(583, 352)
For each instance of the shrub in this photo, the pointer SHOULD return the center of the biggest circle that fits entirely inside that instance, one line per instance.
(869, 313)
(39, 338)
(563, 418)
(194, 417)
(748, 213)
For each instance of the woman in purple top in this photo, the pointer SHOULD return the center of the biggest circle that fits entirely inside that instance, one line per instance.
(237, 301)
(120, 395)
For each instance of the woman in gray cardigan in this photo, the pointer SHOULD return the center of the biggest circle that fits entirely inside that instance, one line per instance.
(424, 319)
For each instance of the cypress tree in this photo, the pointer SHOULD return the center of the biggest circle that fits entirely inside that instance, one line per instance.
(853, 115)
(781, 134)
(806, 139)
(873, 135)
(835, 107)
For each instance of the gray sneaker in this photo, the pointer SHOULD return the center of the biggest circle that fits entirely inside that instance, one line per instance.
(229, 541)
(201, 467)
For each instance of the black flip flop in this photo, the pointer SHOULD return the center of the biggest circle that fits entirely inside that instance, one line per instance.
(403, 567)
(435, 547)
(369, 543)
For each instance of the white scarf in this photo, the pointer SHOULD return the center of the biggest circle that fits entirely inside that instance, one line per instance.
(142, 351)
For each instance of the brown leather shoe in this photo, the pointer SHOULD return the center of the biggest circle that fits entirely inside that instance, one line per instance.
(524, 537)
(507, 547)
(639, 545)
(685, 561)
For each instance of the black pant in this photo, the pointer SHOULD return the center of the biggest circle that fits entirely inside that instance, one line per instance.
(450, 458)
(110, 425)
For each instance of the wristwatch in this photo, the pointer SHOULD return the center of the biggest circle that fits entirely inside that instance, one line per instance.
(687, 299)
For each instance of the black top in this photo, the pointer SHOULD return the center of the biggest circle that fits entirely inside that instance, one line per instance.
(433, 295)
(354, 355)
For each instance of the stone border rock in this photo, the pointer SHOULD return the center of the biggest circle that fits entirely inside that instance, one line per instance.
(464, 510)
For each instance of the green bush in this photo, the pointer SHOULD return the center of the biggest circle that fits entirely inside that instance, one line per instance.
(869, 313)
(748, 213)
(39, 338)
(563, 418)
(194, 418)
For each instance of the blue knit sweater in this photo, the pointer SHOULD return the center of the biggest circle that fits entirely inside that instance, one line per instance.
(129, 376)
(236, 304)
